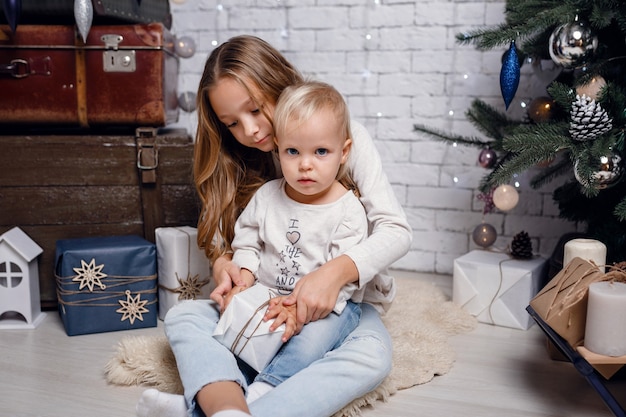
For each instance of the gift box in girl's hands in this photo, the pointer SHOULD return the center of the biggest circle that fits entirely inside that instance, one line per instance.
(242, 330)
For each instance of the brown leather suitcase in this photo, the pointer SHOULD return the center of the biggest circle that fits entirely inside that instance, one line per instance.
(67, 186)
(124, 75)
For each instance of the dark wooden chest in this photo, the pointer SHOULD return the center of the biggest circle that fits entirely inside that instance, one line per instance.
(82, 185)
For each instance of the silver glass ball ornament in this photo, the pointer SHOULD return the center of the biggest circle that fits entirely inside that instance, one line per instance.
(609, 171)
(484, 235)
(187, 101)
(572, 44)
(185, 46)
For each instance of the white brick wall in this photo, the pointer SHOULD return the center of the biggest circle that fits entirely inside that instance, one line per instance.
(398, 63)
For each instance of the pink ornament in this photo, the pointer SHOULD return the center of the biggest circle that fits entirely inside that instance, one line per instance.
(487, 158)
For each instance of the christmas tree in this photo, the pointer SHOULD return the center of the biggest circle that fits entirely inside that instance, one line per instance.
(575, 133)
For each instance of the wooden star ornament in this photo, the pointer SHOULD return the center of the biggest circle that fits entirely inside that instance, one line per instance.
(132, 308)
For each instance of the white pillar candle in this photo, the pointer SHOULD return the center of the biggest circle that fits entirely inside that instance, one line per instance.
(605, 329)
(587, 249)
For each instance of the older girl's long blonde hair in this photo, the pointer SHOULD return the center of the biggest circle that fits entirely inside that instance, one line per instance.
(226, 173)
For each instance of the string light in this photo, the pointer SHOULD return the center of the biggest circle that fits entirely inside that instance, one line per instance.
(456, 179)
(366, 71)
(284, 31)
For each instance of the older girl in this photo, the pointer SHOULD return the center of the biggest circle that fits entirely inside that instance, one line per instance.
(239, 88)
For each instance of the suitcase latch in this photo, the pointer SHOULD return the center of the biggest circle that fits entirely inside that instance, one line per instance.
(115, 59)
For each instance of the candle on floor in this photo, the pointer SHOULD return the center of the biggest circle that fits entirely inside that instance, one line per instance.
(605, 329)
(587, 249)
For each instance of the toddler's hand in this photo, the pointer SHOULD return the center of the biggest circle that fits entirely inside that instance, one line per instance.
(282, 314)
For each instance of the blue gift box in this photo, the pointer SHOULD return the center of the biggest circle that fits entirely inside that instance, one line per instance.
(106, 284)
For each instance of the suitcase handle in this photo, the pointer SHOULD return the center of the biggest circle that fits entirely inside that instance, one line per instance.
(18, 68)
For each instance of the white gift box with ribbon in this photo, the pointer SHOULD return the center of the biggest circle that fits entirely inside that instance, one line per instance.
(242, 330)
(184, 271)
(496, 288)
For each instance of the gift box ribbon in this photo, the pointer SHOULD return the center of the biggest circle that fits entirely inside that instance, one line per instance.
(190, 287)
(579, 288)
(245, 327)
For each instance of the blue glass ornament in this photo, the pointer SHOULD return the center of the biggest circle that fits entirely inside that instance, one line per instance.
(12, 11)
(509, 74)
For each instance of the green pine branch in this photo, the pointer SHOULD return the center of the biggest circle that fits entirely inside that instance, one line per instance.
(557, 168)
(542, 140)
(491, 122)
(620, 210)
(452, 138)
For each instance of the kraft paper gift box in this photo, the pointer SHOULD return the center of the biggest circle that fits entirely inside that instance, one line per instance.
(496, 288)
(184, 271)
(242, 330)
(106, 284)
(562, 303)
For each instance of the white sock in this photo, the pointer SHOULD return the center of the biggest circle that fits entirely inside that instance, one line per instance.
(231, 413)
(154, 403)
(256, 390)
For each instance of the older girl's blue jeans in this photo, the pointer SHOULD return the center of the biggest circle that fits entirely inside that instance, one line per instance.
(351, 370)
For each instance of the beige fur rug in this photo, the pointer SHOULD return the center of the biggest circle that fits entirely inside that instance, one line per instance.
(420, 322)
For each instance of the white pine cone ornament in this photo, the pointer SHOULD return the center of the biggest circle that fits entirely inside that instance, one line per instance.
(589, 119)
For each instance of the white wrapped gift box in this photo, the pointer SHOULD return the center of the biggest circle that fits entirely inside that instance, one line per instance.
(183, 270)
(496, 288)
(242, 330)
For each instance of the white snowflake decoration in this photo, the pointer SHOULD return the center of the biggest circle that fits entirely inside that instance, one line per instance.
(89, 275)
(132, 308)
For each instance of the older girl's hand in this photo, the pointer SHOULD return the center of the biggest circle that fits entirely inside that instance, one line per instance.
(229, 296)
(316, 293)
(225, 274)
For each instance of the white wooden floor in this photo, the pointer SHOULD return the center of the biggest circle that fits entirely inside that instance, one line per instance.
(499, 372)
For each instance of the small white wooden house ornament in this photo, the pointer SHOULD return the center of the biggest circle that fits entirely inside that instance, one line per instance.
(19, 281)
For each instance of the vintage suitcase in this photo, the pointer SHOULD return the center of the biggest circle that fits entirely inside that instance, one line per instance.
(74, 186)
(124, 75)
(61, 12)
